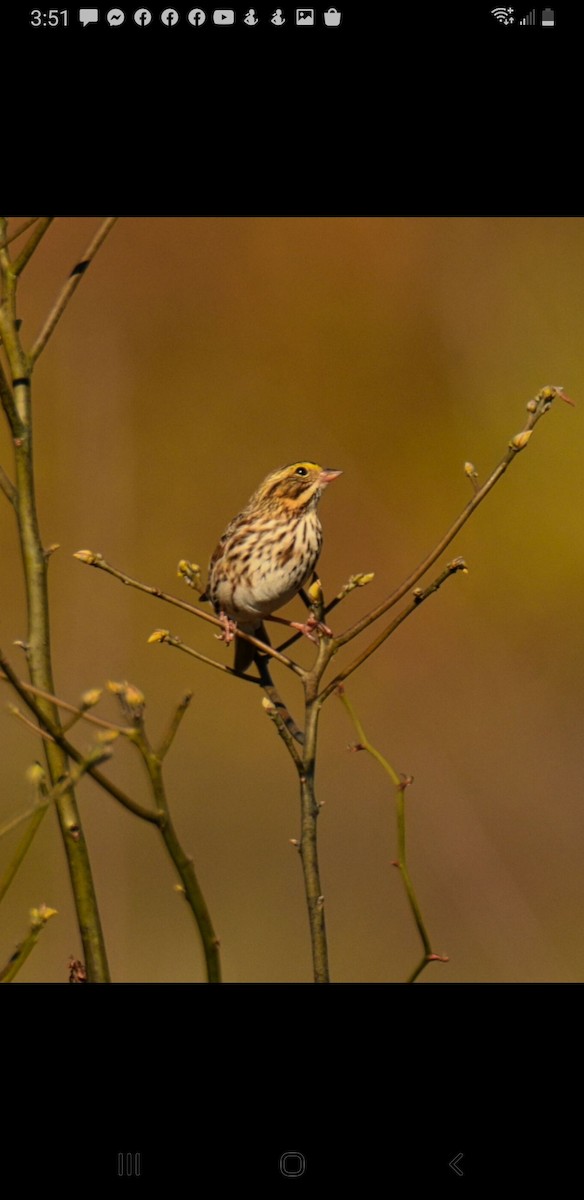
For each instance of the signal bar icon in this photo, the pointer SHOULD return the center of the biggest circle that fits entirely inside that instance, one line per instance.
(530, 19)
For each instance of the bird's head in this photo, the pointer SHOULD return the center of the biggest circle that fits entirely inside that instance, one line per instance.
(296, 487)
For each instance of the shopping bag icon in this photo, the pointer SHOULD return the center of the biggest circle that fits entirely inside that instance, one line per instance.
(332, 17)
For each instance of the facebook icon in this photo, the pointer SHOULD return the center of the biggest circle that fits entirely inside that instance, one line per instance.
(196, 16)
(169, 16)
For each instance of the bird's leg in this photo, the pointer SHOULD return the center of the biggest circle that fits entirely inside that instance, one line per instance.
(307, 628)
(228, 628)
(312, 623)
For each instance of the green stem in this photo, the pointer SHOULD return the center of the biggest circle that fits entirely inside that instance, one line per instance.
(31, 245)
(195, 899)
(38, 646)
(37, 813)
(182, 862)
(309, 810)
(400, 785)
(23, 846)
(39, 918)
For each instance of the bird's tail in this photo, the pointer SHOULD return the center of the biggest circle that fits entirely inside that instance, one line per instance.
(244, 651)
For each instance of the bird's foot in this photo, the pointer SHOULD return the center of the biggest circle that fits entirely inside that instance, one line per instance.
(309, 627)
(228, 628)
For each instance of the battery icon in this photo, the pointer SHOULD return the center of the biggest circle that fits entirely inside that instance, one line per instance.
(547, 17)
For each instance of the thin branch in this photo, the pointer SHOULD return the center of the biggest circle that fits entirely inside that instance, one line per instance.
(69, 288)
(165, 637)
(309, 812)
(38, 811)
(537, 407)
(355, 581)
(8, 488)
(174, 726)
(15, 712)
(420, 594)
(183, 863)
(17, 404)
(275, 699)
(30, 247)
(271, 710)
(145, 813)
(38, 919)
(160, 816)
(80, 713)
(97, 560)
(21, 229)
(7, 399)
(400, 783)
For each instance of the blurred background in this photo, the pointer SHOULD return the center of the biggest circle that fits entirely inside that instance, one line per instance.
(196, 356)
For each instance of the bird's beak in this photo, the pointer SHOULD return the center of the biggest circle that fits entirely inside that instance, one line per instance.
(327, 476)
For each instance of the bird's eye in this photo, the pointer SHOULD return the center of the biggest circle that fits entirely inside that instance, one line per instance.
(301, 471)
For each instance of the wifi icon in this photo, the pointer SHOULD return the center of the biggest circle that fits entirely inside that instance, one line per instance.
(503, 15)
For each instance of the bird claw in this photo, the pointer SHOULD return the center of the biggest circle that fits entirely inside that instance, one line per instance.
(309, 626)
(228, 628)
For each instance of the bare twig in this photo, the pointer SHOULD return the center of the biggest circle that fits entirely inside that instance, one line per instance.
(273, 696)
(38, 919)
(96, 756)
(17, 404)
(537, 407)
(400, 783)
(97, 560)
(420, 594)
(8, 487)
(31, 245)
(165, 637)
(81, 713)
(189, 885)
(45, 721)
(281, 725)
(21, 229)
(69, 287)
(174, 726)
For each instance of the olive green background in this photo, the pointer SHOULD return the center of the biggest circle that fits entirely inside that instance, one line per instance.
(196, 356)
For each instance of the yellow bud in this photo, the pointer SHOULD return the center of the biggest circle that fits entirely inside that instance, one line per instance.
(107, 735)
(268, 706)
(93, 696)
(521, 439)
(87, 556)
(191, 573)
(315, 592)
(39, 915)
(361, 580)
(531, 406)
(159, 635)
(470, 469)
(35, 774)
(134, 697)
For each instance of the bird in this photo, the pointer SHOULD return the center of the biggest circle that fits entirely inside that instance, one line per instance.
(267, 554)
